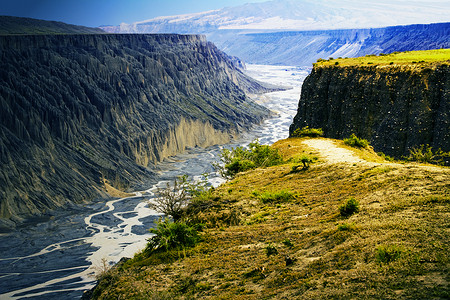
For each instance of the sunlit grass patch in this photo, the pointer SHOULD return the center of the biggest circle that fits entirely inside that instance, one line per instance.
(397, 58)
(395, 246)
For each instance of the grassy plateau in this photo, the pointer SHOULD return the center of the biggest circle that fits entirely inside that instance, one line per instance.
(425, 57)
(368, 229)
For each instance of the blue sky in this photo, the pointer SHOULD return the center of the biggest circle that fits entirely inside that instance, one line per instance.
(108, 12)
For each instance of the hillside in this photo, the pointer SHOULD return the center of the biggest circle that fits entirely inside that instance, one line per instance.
(17, 25)
(81, 112)
(300, 247)
(397, 102)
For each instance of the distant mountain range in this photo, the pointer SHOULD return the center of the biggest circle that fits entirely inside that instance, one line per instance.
(297, 15)
(321, 28)
(17, 25)
(305, 47)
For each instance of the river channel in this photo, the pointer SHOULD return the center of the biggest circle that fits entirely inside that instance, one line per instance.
(58, 258)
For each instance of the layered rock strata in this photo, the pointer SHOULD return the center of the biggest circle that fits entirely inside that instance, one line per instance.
(395, 107)
(76, 110)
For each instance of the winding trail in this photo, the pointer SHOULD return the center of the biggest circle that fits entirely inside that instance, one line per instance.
(332, 152)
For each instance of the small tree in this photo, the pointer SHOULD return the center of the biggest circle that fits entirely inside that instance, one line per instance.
(172, 200)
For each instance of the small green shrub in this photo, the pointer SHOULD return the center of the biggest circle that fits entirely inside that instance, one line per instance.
(276, 197)
(309, 132)
(288, 243)
(354, 141)
(425, 154)
(385, 157)
(350, 207)
(388, 253)
(346, 227)
(305, 160)
(172, 236)
(271, 250)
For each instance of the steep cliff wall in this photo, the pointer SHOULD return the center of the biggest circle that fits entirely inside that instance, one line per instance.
(394, 107)
(77, 109)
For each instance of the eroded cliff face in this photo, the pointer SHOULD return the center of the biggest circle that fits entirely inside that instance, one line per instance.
(394, 107)
(77, 109)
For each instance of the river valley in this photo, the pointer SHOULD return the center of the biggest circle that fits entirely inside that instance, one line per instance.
(58, 258)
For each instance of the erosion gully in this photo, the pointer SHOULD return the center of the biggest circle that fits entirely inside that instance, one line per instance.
(59, 258)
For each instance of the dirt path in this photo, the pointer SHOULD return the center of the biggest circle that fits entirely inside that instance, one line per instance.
(333, 153)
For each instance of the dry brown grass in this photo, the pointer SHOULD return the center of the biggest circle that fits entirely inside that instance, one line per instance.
(401, 205)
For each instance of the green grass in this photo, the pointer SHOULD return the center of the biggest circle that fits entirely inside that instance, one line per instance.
(396, 58)
(396, 247)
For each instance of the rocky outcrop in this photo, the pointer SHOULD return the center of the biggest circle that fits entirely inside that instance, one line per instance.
(394, 107)
(78, 109)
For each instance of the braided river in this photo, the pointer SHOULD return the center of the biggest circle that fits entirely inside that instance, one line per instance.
(58, 258)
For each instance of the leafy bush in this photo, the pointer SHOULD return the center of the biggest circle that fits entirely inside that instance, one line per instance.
(271, 250)
(277, 197)
(306, 131)
(425, 154)
(388, 253)
(172, 236)
(354, 141)
(240, 159)
(348, 208)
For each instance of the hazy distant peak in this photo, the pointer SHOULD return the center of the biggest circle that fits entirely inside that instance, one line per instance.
(302, 15)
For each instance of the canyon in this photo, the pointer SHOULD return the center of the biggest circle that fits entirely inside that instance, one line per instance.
(79, 111)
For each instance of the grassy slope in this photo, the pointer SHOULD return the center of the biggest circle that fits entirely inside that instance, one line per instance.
(404, 206)
(403, 58)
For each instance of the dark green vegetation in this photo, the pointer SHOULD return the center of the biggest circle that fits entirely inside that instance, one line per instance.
(349, 207)
(426, 154)
(171, 236)
(288, 238)
(354, 141)
(17, 25)
(395, 107)
(79, 110)
(307, 132)
(241, 159)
